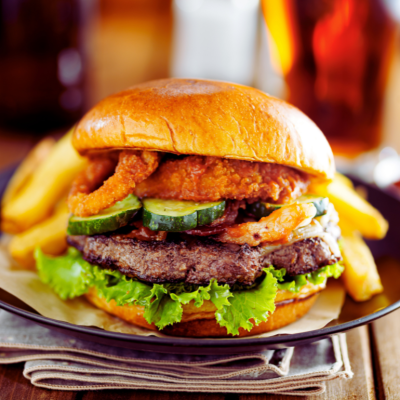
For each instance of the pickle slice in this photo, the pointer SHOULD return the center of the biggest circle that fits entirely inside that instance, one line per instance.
(261, 209)
(179, 216)
(107, 220)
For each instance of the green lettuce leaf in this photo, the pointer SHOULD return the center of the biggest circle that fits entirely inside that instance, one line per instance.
(330, 271)
(219, 294)
(295, 283)
(255, 304)
(163, 310)
(70, 276)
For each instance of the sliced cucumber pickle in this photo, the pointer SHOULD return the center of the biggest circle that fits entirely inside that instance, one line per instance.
(179, 216)
(261, 209)
(107, 220)
(209, 212)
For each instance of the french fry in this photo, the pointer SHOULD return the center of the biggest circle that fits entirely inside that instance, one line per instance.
(25, 171)
(344, 180)
(356, 217)
(346, 228)
(49, 235)
(353, 208)
(36, 200)
(360, 276)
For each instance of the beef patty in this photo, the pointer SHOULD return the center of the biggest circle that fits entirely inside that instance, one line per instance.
(301, 257)
(198, 261)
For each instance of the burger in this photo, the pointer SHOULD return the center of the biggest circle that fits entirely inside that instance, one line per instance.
(194, 215)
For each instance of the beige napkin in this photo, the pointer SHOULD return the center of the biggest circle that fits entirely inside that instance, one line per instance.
(57, 361)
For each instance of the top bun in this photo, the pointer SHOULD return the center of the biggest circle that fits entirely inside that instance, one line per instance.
(210, 118)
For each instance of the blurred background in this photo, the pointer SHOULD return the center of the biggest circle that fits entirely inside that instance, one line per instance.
(336, 60)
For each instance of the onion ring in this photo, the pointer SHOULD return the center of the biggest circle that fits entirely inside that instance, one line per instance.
(133, 167)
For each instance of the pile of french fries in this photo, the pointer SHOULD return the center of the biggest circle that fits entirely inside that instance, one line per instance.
(34, 210)
(33, 206)
(357, 219)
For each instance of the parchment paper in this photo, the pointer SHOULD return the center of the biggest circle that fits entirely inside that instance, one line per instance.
(27, 286)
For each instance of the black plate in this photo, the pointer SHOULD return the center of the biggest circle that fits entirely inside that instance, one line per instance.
(386, 252)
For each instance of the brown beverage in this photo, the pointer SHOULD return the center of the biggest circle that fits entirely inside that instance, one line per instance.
(335, 55)
(41, 63)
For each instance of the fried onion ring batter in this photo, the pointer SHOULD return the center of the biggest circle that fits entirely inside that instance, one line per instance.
(201, 178)
(277, 226)
(87, 198)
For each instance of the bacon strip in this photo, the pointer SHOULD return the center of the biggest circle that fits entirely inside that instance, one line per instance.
(219, 225)
(143, 233)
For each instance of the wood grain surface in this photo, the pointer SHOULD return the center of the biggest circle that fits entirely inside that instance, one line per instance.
(385, 340)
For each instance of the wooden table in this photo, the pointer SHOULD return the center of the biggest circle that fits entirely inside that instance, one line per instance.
(374, 352)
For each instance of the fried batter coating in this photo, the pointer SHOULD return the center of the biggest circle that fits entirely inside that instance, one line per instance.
(201, 178)
(132, 167)
(277, 226)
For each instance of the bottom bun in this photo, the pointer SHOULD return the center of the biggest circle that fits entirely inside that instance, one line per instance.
(202, 323)
(284, 314)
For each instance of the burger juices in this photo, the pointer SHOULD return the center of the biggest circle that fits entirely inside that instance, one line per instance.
(194, 215)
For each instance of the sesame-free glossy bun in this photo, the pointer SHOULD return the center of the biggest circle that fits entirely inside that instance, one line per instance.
(201, 322)
(210, 118)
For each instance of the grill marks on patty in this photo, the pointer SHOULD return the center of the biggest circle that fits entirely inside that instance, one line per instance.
(199, 260)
